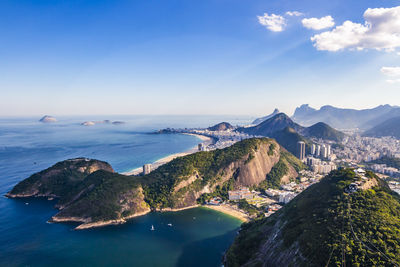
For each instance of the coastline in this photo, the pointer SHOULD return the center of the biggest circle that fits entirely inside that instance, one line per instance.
(86, 224)
(226, 209)
(207, 140)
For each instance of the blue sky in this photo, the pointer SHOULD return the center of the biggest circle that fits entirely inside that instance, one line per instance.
(191, 57)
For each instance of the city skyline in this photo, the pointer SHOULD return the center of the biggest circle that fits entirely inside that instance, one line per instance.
(213, 57)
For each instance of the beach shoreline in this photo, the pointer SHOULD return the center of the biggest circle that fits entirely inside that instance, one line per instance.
(226, 209)
(85, 224)
(206, 140)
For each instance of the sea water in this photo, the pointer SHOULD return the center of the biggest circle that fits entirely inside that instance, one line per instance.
(194, 237)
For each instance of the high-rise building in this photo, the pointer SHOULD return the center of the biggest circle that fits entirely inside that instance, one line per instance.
(328, 147)
(313, 149)
(318, 152)
(301, 150)
(146, 169)
(324, 151)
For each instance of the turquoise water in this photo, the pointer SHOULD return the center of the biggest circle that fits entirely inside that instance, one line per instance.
(198, 237)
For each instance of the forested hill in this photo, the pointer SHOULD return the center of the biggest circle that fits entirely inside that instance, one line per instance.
(327, 225)
(89, 192)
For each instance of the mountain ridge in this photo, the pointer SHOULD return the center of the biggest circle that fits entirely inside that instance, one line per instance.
(390, 127)
(325, 225)
(344, 118)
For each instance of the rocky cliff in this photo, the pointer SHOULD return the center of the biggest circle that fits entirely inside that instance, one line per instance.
(91, 193)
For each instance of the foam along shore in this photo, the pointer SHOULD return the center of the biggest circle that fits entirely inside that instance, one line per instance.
(227, 209)
(206, 140)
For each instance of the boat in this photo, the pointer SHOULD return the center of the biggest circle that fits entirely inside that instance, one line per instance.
(170, 224)
(152, 228)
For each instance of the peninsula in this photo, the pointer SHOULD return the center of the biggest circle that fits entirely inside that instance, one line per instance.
(91, 193)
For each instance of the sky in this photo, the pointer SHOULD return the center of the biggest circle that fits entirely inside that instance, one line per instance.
(196, 57)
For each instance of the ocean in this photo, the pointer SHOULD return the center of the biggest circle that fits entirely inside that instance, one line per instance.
(197, 237)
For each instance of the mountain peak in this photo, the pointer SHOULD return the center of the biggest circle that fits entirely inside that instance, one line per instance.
(260, 120)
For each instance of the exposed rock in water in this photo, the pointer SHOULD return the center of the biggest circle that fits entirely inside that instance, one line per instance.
(48, 119)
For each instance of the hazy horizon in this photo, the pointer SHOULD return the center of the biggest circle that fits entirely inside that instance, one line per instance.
(210, 57)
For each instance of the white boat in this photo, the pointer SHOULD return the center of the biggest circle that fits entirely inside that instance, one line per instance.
(170, 224)
(152, 228)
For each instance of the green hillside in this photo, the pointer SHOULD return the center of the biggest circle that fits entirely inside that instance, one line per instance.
(325, 226)
(324, 131)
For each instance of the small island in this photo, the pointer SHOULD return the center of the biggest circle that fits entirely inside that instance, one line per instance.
(48, 119)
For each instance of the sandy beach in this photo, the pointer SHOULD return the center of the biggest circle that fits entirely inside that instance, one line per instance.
(230, 211)
(206, 141)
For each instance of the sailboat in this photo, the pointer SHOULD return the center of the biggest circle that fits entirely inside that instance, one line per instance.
(152, 228)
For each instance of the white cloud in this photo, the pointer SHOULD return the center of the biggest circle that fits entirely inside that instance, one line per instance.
(381, 31)
(391, 71)
(393, 81)
(273, 22)
(318, 24)
(294, 13)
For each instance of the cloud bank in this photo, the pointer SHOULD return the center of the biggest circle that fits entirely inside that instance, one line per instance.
(381, 31)
(393, 72)
(273, 22)
(318, 24)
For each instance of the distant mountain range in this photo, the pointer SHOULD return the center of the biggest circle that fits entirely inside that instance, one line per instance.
(260, 120)
(390, 127)
(281, 121)
(345, 118)
(288, 133)
(274, 124)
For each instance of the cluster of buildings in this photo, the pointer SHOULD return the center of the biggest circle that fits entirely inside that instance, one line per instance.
(315, 159)
(223, 138)
(242, 193)
(321, 151)
(319, 166)
(382, 168)
(364, 149)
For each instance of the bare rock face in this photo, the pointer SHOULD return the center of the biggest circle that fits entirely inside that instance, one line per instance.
(250, 170)
(90, 192)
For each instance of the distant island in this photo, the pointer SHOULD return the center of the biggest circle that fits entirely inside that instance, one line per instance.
(48, 119)
(92, 123)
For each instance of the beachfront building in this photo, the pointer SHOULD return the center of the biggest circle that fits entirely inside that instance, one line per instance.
(201, 147)
(146, 169)
(242, 193)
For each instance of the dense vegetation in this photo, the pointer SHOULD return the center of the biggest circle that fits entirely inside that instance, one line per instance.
(104, 195)
(273, 179)
(65, 176)
(159, 184)
(102, 201)
(324, 131)
(330, 226)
